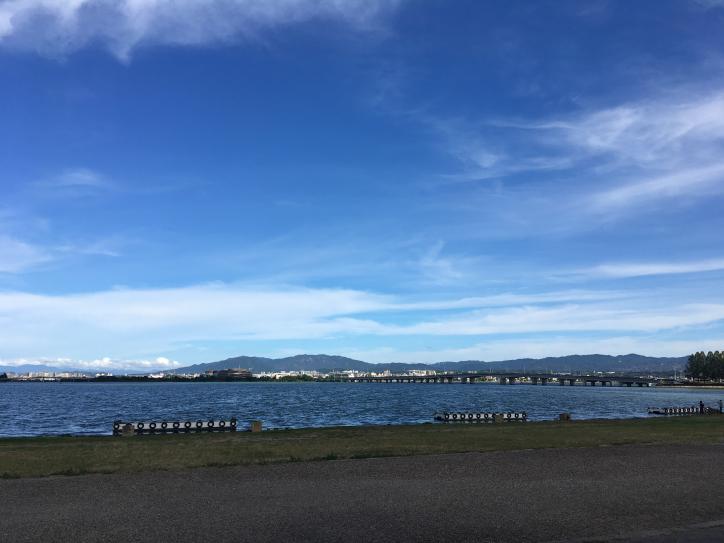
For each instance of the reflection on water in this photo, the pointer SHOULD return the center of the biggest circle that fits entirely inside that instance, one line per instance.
(90, 408)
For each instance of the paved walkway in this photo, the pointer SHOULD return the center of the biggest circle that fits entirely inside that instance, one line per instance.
(633, 493)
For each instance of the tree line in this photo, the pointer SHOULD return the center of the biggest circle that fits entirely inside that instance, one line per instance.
(706, 366)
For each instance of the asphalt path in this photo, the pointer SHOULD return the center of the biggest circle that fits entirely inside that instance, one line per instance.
(624, 493)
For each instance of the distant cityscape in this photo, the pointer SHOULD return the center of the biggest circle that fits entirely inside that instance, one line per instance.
(229, 374)
(604, 378)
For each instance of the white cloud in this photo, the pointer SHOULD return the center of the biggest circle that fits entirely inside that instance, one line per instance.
(129, 323)
(17, 256)
(58, 27)
(105, 363)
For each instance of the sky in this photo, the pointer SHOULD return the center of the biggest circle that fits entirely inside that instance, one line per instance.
(395, 181)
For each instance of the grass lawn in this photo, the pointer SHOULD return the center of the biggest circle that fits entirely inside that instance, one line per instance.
(42, 456)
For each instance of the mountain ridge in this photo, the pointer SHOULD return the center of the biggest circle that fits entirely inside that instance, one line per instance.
(322, 362)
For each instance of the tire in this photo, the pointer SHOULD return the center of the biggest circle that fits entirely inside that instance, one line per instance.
(152, 426)
(176, 424)
(187, 424)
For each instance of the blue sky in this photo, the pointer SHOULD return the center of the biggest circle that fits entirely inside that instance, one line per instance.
(389, 180)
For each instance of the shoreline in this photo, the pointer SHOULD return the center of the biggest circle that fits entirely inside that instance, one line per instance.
(76, 455)
(313, 381)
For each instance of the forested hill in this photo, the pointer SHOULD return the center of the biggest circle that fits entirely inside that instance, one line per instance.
(571, 363)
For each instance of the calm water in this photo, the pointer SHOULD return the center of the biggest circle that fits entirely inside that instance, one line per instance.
(90, 408)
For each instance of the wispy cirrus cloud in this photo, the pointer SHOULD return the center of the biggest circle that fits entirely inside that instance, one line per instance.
(710, 4)
(18, 256)
(74, 182)
(80, 177)
(59, 27)
(683, 183)
(636, 154)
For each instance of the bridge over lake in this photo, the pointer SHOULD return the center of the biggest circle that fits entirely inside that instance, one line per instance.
(510, 378)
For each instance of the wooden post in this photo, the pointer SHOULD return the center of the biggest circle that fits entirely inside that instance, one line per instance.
(256, 426)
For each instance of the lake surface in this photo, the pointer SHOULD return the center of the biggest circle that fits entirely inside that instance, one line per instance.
(28, 409)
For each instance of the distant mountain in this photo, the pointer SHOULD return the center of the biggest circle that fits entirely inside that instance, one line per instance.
(300, 362)
(324, 362)
(571, 363)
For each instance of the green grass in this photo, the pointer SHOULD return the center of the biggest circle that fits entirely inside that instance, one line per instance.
(37, 457)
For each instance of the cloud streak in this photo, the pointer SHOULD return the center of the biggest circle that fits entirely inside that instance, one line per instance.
(60, 27)
(639, 269)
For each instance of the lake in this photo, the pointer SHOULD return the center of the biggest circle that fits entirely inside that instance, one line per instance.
(31, 409)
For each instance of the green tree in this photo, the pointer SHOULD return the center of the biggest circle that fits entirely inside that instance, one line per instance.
(706, 366)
